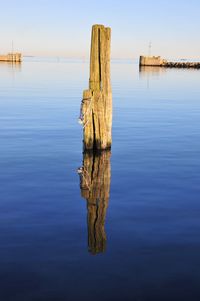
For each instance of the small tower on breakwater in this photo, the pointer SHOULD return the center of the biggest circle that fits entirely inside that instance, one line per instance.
(13, 57)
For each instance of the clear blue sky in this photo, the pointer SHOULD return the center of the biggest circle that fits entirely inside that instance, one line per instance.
(62, 27)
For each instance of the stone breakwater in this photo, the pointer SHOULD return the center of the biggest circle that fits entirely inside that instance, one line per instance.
(181, 65)
(157, 61)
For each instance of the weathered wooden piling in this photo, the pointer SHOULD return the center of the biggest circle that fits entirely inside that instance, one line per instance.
(95, 175)
(96, 107)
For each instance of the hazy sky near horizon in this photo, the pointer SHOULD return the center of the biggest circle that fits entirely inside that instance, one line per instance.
(63, 28)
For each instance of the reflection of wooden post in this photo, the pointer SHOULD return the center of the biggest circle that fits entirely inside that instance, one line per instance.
(95, 188)
(97, 101)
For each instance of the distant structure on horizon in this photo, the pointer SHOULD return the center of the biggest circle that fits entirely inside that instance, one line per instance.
(11, 57)
(157, 61)
(152, 61)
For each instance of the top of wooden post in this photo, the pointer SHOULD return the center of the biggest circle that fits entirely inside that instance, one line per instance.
(99, 25)
(99, 56)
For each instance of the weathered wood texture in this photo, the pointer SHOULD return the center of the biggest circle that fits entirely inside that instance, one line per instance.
(97, 101)
(95, 188)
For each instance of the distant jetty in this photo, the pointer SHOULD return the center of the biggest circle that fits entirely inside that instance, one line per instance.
(157, 61)
(11, 57)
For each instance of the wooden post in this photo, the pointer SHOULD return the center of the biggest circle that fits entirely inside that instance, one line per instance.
(97, 101)
(95, 188)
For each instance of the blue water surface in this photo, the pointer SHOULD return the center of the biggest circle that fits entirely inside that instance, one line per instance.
(152, 222)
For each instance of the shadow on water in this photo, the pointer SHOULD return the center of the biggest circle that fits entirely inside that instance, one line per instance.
(151, 71)
(95, 177)
(11, 65)
(147, 73)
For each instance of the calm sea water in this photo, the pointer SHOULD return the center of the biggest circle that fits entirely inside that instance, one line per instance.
(147, 243)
